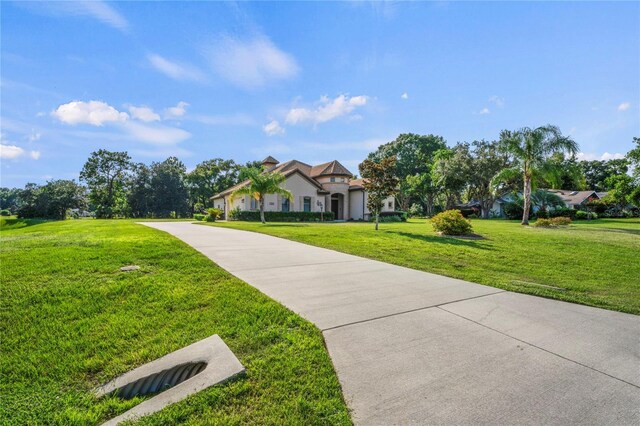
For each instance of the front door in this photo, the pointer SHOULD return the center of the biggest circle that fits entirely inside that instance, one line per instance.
(334, 207)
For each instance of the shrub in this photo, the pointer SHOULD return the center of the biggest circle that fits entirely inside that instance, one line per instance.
(387, 219)
(553, 222)
(561, 221)
(254, 216)
(416, 210)
(472, 216)
(451, 222)
(235, 213)
(215, 213)
(210, 218)
(402, 216)
(542, 214)
(570, 213)
(582, 215)
(544, 223)
(199, 216)
(5, 212)
(599, 206)
(515, 209)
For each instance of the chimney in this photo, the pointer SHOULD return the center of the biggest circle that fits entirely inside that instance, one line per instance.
(269, 163)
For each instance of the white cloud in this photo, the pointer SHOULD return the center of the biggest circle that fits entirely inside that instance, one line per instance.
(143, 113)
(102, 12)
(405, 95)
(484, 111)
(10, 151)
(497, 100)
(239, 119)
(96, 113)
(624, 106)
(273, 128)
(177, 111)
(328, 109)
(251, 63)
(176, 70)
(94, 9)
(587, 156)
(156, 134)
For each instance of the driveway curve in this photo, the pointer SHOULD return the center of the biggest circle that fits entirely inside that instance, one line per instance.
(411, 347)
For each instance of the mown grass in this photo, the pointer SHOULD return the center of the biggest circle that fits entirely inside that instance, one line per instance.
(70, 320)
(595, 263)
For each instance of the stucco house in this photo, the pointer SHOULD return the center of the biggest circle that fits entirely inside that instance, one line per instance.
(324, 187)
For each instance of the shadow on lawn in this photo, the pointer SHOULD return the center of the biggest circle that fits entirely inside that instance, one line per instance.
(443, 240)
(14, 223)
(622, 230)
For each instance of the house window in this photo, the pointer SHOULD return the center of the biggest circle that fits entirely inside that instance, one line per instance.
(332, 179)
(390, 204)
(254, 204)
(285, 204)
(307, 204)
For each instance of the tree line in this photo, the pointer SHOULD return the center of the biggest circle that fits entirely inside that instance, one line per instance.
(112, 185)
(435, 177)
(430, 176)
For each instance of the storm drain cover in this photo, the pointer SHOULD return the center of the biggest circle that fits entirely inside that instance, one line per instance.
(174, 377)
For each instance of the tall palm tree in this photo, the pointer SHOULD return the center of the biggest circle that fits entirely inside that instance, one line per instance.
(531, 148)
(261, 184)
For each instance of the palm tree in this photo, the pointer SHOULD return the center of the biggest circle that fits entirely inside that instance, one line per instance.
(545, 199)
(531, 148)
(261, 184)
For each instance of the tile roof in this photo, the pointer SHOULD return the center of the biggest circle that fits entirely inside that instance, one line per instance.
(330, 168)
(307, 171)
(573, 197)
(356, 184)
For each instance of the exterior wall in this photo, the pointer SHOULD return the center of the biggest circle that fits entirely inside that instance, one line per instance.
(219, 203)
(358, 203)
(244, 202)
(340, 186)
(497, 207)
(299, 187)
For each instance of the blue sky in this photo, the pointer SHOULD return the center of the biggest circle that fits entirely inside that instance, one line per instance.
(311, 81)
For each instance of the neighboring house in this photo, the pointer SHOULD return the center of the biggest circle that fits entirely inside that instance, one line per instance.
(325, 187)
(576, 200)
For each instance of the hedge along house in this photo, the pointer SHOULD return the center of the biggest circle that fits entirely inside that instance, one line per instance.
(325, 187)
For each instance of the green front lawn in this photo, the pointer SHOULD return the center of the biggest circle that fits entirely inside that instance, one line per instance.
(70, 320)
(595, 263)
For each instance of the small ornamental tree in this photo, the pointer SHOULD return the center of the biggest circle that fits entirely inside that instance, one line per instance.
(380, 182)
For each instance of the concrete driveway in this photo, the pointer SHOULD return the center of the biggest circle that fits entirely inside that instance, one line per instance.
(411, 347)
